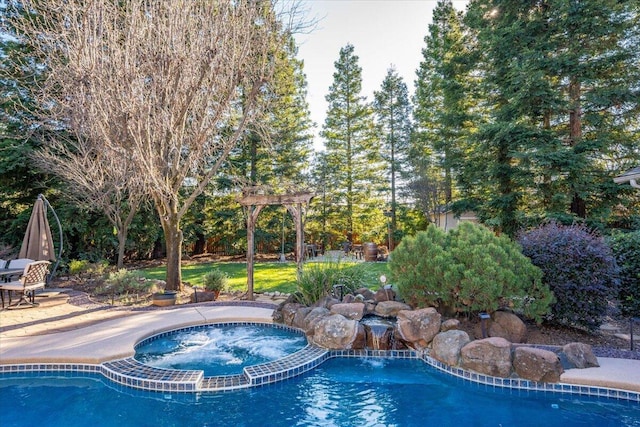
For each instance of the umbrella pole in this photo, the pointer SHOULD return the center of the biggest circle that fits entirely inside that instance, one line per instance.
(55, 266)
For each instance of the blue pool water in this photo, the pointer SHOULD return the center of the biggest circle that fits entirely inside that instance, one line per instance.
(220, 350)
(341, 392)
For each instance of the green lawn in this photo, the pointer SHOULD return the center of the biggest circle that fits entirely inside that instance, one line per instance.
(268, 277)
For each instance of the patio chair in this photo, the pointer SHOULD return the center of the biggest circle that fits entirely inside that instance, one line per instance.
(34, 277)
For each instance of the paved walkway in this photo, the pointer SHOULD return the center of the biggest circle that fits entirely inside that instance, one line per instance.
(61, 332)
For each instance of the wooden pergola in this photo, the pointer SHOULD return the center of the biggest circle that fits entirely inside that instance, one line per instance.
(254, 199)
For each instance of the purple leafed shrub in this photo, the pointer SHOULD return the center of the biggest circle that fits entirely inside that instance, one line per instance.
(578, 266)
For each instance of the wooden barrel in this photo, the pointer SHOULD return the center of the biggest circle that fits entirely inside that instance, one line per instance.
(370, 252)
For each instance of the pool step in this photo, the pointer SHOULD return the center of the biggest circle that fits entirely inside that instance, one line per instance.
(134, 374)
(227, 382)
(287, 367)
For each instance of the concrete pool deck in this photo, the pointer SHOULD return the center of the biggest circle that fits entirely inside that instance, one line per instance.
(58, 333)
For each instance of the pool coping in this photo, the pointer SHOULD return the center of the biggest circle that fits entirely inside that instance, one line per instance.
(123, 369)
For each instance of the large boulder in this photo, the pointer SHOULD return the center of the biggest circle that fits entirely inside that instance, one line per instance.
(365, 292)
(336, 332)
(299, 316)
(578, 355)
(418, 327)
(446, 346)
(508, 326)
(353, 311)
(314, 317)
(390, 308)
(450, 324)
(505, 325)
(289, 311)
(490, 356)
(384, 295)
(537, 364)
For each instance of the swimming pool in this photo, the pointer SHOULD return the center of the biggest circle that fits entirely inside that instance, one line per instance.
(340, 392)
(219, 349)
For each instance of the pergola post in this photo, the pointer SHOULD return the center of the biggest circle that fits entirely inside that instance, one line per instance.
(255, 201)
(298, 215)
(252, 217)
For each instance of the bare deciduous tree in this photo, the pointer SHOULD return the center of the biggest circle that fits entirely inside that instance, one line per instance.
(97, 180)
(170, 86)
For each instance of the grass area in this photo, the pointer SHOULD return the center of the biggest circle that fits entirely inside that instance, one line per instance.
(267, 277)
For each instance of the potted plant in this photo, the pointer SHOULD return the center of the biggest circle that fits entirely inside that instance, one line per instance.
(164, 298)
(215, 281)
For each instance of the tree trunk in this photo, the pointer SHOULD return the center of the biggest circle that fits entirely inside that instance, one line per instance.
(200, 245)
(122, 240)
(173, 239)
(578, 204)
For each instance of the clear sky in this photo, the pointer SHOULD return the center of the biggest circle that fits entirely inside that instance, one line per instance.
(383, 32)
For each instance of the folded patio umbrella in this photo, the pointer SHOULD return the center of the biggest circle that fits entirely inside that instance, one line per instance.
(38, 243)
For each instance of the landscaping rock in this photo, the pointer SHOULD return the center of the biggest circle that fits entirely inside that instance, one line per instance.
(504, 325)
(446, 346)
(384, 295)
(299, 316)
(450, 324)
(490, 356)
(418, 327)
(390, 308)
(578, 355)
(336, 332)
(314, 317)
(508, 326)
(326, 302)
(537, 364)
(289, 311)
(203, 296)
(348, 298)
(353, 311)
(365, 292)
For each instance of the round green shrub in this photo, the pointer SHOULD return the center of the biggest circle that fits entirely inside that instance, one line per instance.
(468, 270)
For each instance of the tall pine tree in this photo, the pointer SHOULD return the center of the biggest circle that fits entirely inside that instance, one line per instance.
(393, 112)
(443, 109)
(352, 151)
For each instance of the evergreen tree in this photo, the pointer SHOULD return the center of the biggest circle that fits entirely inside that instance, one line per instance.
(443, 108)
(393, 112)
(563, 96)
(352, 150)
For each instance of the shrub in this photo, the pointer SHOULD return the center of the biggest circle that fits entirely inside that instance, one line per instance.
(83, 267)
(416, 267)
(468, 270)
(626, 249)
(123, 282)
(580, 269)
(78, 266)
(215, 280)
(317, 280)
